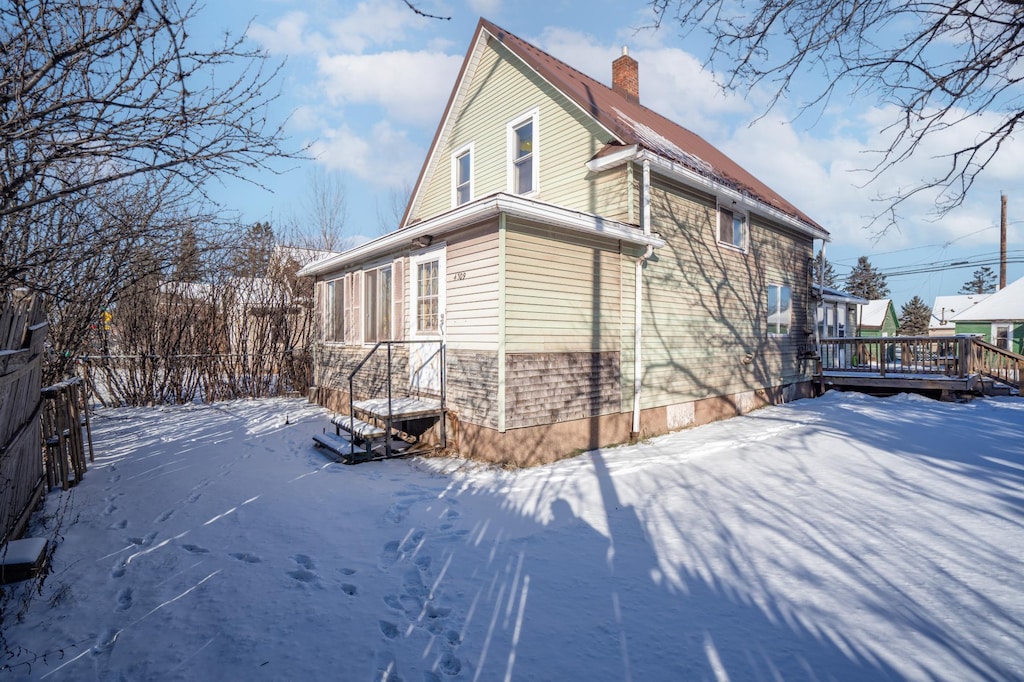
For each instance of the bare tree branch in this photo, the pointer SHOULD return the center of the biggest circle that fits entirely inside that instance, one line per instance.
(943, 65)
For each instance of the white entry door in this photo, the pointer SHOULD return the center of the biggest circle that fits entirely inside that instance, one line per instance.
(426, 319)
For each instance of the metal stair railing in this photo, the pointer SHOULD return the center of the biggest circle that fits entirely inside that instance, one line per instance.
(389, 419)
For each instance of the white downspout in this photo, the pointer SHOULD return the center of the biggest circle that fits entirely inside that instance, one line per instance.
(645, 224)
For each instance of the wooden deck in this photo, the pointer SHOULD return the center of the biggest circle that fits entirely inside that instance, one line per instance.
(948, 364)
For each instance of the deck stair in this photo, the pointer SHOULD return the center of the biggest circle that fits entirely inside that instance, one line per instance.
(385, 427)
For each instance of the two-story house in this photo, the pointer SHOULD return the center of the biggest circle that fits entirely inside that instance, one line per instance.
(594, 272)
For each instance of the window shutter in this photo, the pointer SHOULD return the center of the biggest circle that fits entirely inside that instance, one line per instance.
(398, 292)
(356, 307)
(321, 310)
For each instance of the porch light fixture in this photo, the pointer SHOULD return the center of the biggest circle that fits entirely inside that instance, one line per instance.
(422, 242)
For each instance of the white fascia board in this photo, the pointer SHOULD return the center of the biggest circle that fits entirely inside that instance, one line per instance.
(479, 211)
(679, 172)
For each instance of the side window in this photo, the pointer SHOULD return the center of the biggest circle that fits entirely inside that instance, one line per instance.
(377, 304)
(334, 311)
(733, 228)
(523, 154)
(462, 176)
(426, 292)
(780, 309)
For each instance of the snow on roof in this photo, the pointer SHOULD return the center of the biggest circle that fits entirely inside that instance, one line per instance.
(946, 308)
(1005, 304)
(873, 314)
(838, 295)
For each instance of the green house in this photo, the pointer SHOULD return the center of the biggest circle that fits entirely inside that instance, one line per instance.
(878, 318)
(999, 319)
(594, 272)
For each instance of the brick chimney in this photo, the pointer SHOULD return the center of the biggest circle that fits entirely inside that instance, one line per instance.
(626, 76)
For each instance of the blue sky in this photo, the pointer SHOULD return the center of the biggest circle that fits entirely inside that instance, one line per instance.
(364, 85)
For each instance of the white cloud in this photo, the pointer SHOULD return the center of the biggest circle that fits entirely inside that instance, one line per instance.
(412, 87)
(373, 23)
(485, 8)
(288, 36)
(385, 157)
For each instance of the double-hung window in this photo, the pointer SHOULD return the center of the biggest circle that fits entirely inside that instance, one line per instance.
(462, 176)
(334, 311)
(780, 309)
(732, 228)
(523, 154)
(377, 304)
(426, 292)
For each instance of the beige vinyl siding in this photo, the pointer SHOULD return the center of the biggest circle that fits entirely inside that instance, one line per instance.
(502, 90)
(705, 305)
(472, 289)
(561, 295)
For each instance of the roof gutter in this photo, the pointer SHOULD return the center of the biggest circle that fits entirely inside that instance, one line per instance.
(478, 211)
(690, 178)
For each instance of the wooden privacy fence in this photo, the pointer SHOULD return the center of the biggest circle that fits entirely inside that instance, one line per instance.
(22, 339)
(65, 413)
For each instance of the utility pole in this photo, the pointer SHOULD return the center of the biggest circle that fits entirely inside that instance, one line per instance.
(1002, 243)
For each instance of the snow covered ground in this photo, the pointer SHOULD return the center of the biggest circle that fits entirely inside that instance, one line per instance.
(847, 538)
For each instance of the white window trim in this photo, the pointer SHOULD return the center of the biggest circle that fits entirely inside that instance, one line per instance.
(439, 253)
(331, 322)
(510, 152)
(789, 322)
(735, 209)
(363, 308)
(995, 333)
(455, 173)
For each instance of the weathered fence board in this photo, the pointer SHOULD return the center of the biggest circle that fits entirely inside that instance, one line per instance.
(22, 338)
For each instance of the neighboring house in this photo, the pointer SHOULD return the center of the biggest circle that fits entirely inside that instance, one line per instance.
(999, 319)
(838, 312)
(946, 308)
(596, 272)
(878, 318)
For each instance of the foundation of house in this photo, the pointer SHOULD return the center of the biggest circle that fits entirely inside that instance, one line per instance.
(541, 444)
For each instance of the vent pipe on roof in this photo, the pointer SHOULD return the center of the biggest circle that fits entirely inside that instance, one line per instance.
(626, 76)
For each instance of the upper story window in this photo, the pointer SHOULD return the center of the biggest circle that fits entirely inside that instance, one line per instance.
(780, 309)
(523, 154)
(377, 305)
(733, 228)
(462, 176)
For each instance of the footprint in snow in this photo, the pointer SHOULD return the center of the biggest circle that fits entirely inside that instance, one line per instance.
(165, 515)
(349, 589)
(347, 571)
(246, 557)
(124, 599)
(304, 573)
(120, 525)
(389, 554)
(118, 571)
(389, 630)
(450, 664)
(195, 549)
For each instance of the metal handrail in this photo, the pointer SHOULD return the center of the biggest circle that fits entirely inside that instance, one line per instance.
(388, 422)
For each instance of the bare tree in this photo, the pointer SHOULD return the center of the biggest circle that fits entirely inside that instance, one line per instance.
(95, 94)
(942, 65)
(389, 218)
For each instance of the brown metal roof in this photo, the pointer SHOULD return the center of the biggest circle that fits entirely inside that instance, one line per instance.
(630, 122)
(633, 123)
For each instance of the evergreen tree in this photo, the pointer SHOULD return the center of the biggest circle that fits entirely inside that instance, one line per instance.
(867, 282)
(187, 262)
(915, 317)
(251, 257)
(823, 270)
(983, 282)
